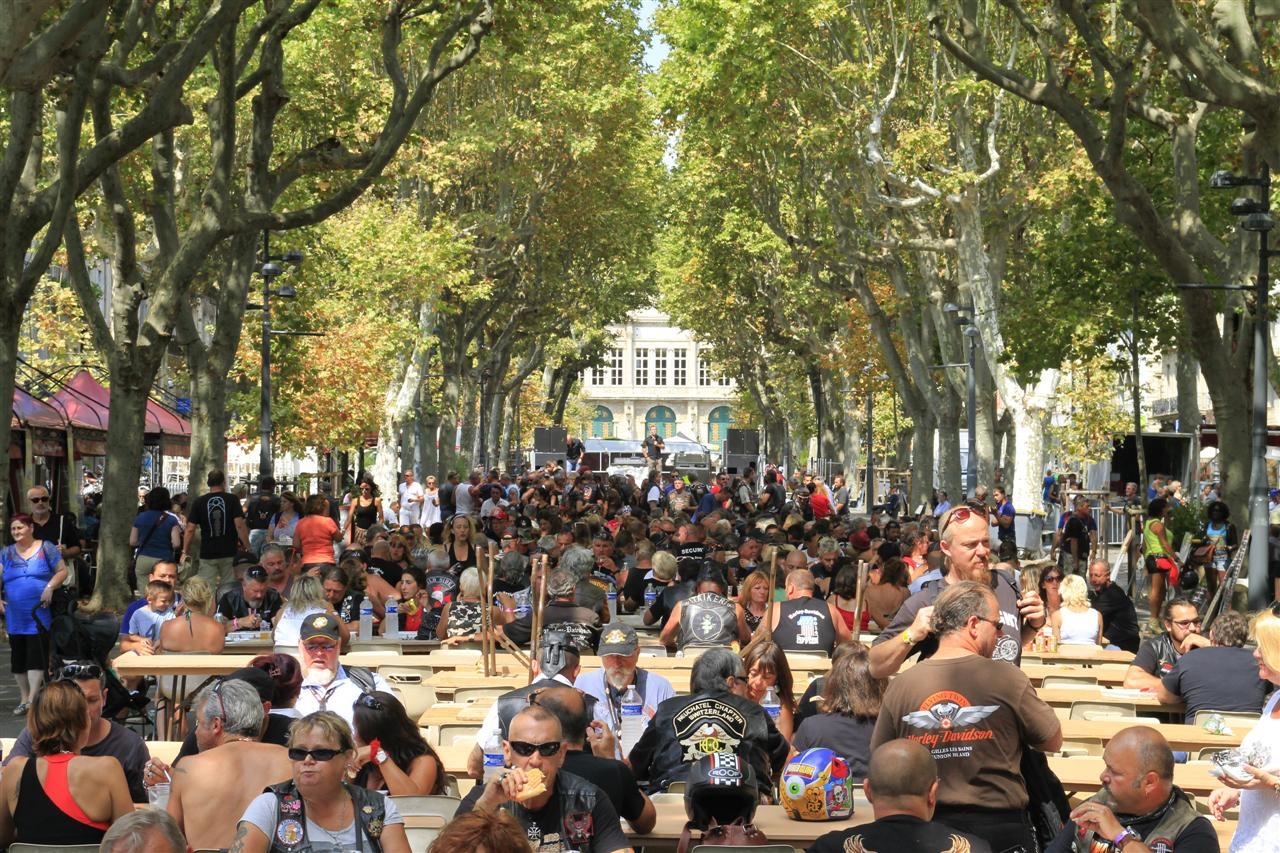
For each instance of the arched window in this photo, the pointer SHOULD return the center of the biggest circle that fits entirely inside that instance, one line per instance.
(602, 423)
(663, 418)
(718, 426)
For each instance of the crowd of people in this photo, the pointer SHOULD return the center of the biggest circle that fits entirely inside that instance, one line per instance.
(746, 579)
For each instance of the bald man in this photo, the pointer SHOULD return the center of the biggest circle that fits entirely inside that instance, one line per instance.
(1139, 809)
(902, 785)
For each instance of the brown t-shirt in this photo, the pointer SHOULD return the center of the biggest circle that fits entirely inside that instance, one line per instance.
(974, 715)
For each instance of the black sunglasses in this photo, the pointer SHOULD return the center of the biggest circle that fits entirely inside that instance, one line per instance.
(80, 672)
(369, 701)
(297, 753)
(43, 500)
(525, 749)
(257, 573)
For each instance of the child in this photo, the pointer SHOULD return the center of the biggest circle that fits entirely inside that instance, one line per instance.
(146, 621)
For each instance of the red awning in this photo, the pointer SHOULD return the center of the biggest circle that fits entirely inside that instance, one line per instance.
(84, 402)
(87, 404)
(28, 411)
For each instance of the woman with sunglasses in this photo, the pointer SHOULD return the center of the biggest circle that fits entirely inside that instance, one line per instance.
(364, 512)
(1259, 798)
(283, 524)
(58, 796)
(391, 752)
(32, 570)
(1050, 587)
(317, 809)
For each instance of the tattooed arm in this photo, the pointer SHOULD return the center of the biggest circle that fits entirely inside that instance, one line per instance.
(249, 839)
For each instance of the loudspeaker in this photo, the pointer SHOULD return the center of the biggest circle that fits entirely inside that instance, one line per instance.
(742, 441)
(549, 439)
(737, 463)
(540, 459)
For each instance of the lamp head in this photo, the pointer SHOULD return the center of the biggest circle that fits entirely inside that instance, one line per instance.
(287, 291)
(1245, 206)
(1223, 179)
(293, 256)
(951, 307)
(271, 269)
(1258, 222)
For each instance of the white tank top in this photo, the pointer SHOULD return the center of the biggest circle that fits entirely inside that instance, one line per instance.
(1078, 627)
(1259, 825)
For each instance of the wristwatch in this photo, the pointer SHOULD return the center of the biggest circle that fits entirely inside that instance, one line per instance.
(1126, 835)
(380, 756)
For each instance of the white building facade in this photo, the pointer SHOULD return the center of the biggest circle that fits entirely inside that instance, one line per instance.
(657, 374)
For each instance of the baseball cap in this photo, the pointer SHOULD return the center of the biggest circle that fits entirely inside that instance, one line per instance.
(244, 558)
(321, 625)
(860, 541)
(618, 638)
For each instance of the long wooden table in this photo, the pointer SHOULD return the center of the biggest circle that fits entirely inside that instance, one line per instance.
(1079, 655)
(1081, 775)
(1181, 736)
(1144, 703)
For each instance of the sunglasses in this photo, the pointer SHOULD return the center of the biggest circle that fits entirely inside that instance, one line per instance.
(216, 693)
(297, 753)
(1052, 579)
(256, 574)
(320, 648)
(961, 514)
(369, 701)
(525, 749)
(43, 500)
(80, 672)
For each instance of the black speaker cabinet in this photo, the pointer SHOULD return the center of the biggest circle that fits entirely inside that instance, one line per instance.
(549, 439)
(737, 463)
(742, 441)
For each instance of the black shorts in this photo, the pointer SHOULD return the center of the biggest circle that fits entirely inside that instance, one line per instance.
(26, 653)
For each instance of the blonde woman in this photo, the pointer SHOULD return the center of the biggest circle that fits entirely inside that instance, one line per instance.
(753, 603)
(195, 630)
(1259, 798)
(1075, 621)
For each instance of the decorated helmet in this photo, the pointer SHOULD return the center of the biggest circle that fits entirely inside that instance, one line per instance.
(721, 786)
(816, 785)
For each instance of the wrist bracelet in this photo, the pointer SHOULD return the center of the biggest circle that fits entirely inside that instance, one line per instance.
(906, 638)
(1126, 835)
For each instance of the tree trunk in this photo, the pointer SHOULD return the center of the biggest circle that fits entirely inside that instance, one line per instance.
(120, 478)
(985, 409)
(950, 471)
(924, 424)
(10, 326)
(1188, 391)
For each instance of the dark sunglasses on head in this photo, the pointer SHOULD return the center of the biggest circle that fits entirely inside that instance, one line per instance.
(80, 672)
(369, 701)
(257, 573)
(525, 749)
(297, 753)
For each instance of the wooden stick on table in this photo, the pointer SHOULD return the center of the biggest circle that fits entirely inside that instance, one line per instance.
(773, 582)
(539, 593)
(857, 598)
(489, 605)
(486, 612)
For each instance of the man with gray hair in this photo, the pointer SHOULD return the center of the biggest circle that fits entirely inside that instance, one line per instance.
(144, 831)
(716, 716)
(976, 716)
(231, 768)
(580, 563)
(562, 612)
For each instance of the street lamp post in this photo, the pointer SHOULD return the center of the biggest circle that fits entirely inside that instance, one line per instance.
(1256, 217)
(869, 487)
(270, 270)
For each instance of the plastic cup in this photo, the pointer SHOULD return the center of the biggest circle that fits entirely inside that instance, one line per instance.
(158, 795)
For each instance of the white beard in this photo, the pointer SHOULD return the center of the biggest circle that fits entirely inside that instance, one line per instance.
(321, 675)
(618, 680)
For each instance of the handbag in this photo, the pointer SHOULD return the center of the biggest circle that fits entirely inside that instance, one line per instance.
(736, 834)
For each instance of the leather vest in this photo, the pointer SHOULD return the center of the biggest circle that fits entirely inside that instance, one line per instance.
(1161, 837)
(707, 619)
(291, 818)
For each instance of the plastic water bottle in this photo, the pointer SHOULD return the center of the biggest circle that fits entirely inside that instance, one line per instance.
(392, 616)
(633, 721)
(772, 706)
(612, 596)
(493, 758)
(366, 619)
(650, 595)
